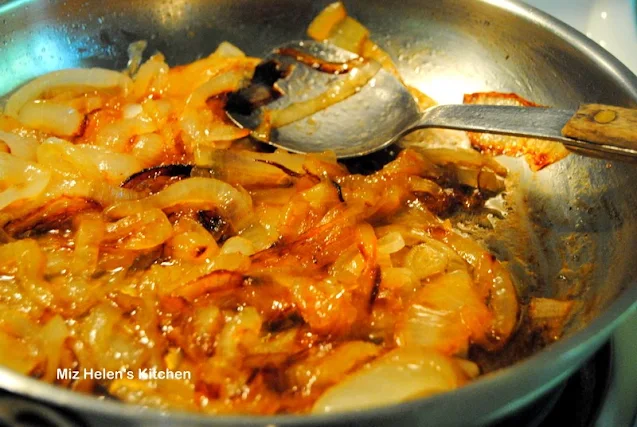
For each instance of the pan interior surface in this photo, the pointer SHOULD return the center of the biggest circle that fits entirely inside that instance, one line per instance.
(571, 226)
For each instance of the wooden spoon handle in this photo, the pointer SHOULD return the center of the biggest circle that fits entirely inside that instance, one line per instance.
(604, 124)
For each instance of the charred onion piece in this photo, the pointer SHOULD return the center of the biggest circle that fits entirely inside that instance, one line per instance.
(453, 199)
(146, 259)
(268, 72)
(220, 229)
(285, 321)
(153, 180)
(371, 163)
(262, 89)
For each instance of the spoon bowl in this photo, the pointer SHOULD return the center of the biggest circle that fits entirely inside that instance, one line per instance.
(363, 123)
(381, 110)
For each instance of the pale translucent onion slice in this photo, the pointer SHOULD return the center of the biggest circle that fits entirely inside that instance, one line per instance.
(67, 159)
(115, 167)
(20, 179)
(98, 78)
(57, 119)
(98, 190)
(550, 316)
(88, 161)
(223, 83)
(261, 236)
(445, 314)
(400, 375)
(398, 278)
(148, 74)
(17, 356)
(52, 337)
(493, 282)
(86, 243)
(148, 149)
(322, 370)
(131, 111)
(135, 56)
(20, 146)
(228, 50)
(426, 260)
(391, 243)
(238, 244)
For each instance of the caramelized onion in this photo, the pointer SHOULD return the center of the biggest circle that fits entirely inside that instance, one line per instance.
(493, 282)
(140, 231)
(89, 236)
(318, 63)
(445, 314)
(322, 26)
(158, 237)
(52, 336)
(194, 245)
(550, 315)
(215, 281)
(239, 169)
(55, 214)
(342, 89)
(28, 258)
(201, 192)
(223, 83)
(314, 249)
(349, 34)
(538, 153)
(323, 370)
(16, 356)
(155, 179)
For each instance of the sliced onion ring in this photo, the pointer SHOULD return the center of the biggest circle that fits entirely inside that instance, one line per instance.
(232, 203)
(24, 180)
(402, 374)
(94, 77)
(20, 146)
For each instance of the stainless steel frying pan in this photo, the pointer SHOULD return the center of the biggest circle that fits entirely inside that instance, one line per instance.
(574, 227)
